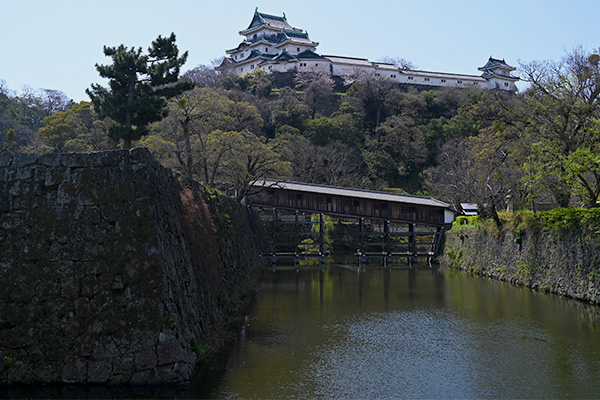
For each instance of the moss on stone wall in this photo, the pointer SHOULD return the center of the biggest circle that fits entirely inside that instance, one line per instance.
(556, 251)
(113, 270)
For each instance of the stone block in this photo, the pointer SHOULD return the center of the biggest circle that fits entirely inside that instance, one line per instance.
(50, 160)
(99, 371)
(146, 358)
(22, 160)
(75, 371)
(144, 377)
(5, 159)
(168, 353)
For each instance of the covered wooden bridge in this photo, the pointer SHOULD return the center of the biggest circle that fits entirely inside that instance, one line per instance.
(390, 225)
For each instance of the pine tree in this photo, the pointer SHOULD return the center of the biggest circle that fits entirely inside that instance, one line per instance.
(139, 86)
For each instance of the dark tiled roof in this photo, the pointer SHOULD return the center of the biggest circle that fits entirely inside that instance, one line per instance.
(243, 44)
(257, 53)
(273, 21)
(355, 193)
(279, 37)
(489, 74)
(494, 63)
(284, 56)
(309, 54)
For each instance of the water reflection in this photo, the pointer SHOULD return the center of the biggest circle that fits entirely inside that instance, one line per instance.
(341, 332)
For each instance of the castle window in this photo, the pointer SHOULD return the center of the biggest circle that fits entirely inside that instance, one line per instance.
(392, 76)
(266, 49)
(426, 79)
(298, 48)
(443, 81)
(505, 83)
(459, 82)
(475, 83)
(410, 78)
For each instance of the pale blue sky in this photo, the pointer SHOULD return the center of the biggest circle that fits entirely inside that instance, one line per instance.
(54, 44)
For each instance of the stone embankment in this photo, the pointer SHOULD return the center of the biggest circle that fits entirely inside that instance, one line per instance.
(114, 271)
(561, 261)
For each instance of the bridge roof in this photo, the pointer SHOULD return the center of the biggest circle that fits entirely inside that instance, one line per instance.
(355, 193)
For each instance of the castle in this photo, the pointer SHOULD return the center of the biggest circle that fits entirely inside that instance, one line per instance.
(272, 44)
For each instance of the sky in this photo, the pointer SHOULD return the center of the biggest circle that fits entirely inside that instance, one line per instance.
(55, 44)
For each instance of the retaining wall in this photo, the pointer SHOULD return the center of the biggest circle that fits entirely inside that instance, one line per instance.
(114, 271)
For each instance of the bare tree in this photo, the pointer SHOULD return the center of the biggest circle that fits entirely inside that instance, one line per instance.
(334, 164)
(203, 76)
(317, 85)
(401, 63)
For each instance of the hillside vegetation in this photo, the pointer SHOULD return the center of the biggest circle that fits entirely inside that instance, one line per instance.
(478, 146)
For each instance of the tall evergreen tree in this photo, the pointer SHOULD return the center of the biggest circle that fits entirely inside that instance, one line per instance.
(139, 86)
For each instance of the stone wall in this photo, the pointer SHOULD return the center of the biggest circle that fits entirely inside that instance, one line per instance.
(565, 262)
(114, 271)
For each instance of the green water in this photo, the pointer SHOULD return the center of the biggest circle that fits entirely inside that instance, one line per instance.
(341, 332)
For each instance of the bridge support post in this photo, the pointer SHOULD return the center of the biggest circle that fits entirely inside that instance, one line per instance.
(388, 244)
(321, 240)
(361, 251)
(296, 240)
(412, 247)
(436, 242)
(274, 238)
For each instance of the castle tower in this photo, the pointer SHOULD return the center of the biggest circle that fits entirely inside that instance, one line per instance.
(270, 43)
(497, 73)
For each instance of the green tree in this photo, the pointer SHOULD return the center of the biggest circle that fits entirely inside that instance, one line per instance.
(8, 141)
(288, 110)
(77, 129)
(195, 118)
(405, 143)
(561, 111)
(139, 86)
(480, 169)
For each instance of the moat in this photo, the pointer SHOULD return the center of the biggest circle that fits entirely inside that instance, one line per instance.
(407, 333)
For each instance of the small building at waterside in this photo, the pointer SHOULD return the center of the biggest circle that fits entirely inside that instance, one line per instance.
(272, 44)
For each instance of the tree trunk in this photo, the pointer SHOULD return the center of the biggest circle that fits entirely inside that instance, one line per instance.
(185, 124)
(129, 113)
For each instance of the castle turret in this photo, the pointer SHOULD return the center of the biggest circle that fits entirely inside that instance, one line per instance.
(497, 73)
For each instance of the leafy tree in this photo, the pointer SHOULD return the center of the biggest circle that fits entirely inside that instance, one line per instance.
(8, 140)
(404, 141)
(561, 111)
(288, 110)
(477, 169)
(139, 86)
(77, 129)
(194, 118)
(344, 126)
